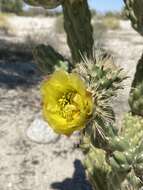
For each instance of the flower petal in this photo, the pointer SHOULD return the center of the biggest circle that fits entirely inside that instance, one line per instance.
(77, 83)
(75, 106)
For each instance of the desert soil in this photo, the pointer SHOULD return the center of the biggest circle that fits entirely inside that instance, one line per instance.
(25, 164)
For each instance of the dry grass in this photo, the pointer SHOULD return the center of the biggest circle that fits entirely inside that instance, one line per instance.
(99, 31)
(101, 24)
(4, 23)
(111, 23)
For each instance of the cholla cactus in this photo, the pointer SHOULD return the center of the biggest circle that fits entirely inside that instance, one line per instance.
(113, 159)
(103, 80)
(111, 155)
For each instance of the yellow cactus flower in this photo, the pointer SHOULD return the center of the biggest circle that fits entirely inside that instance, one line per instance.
(67, 105)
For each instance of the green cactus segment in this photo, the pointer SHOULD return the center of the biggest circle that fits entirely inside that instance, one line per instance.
(136, 100)
(121, 150)
(133, 182)
(97, 168)
(132, 156)
(77, 25)
(131, 136)
(133, 129)
(134, 11)
(134, 132)
(49, 4)
(136, 94)
(101, 74)
(48, 59)
(138, 164)
(120, 164)
(103, 80)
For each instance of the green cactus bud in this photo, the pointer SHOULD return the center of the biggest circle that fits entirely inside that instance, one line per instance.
(120, 157)
(118, 143)
(114, 164)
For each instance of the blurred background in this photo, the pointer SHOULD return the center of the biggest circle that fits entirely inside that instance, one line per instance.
(32, 158)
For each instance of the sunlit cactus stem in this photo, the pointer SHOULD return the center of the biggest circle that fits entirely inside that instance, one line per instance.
(77, 25)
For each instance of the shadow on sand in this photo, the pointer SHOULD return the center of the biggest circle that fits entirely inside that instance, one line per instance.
(77, 182)
(17, 67)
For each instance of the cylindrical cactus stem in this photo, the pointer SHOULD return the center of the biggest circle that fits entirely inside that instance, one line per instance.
(136, 94)
(97, 168)
(77, 23)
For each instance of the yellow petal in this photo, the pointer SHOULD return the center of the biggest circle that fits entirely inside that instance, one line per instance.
(77, 83)
(76, 104)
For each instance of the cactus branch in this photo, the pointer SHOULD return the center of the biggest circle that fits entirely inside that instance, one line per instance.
(77, 25)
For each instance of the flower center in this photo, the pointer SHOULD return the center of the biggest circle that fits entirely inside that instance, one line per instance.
(68, 107)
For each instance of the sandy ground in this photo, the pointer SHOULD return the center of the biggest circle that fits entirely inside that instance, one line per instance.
(24, 164)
